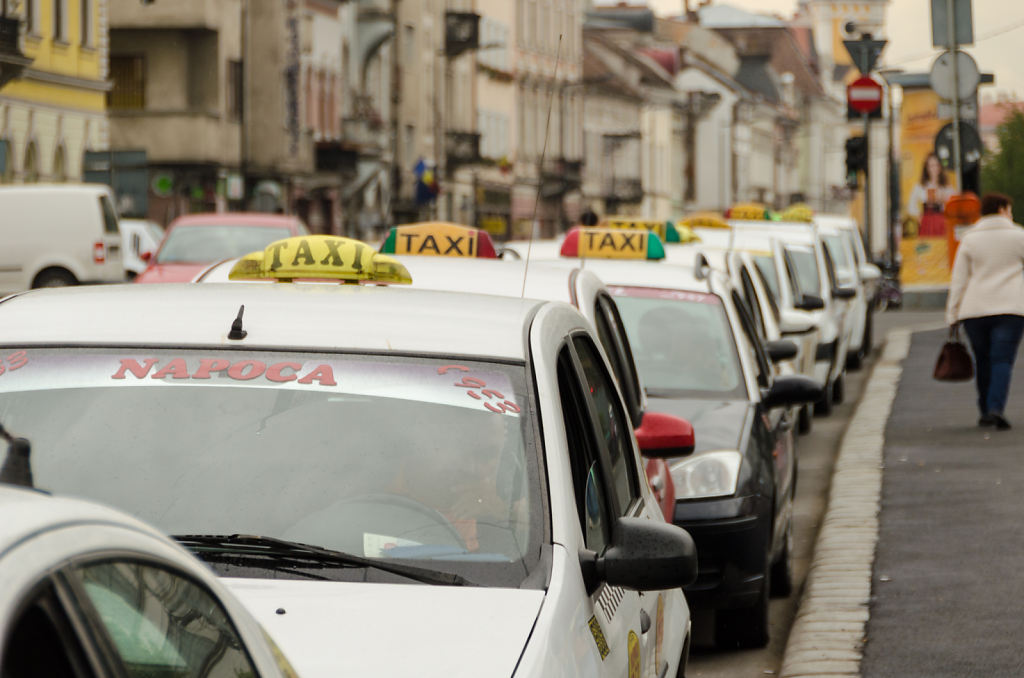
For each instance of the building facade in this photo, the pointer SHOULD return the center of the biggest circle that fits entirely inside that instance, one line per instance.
(54, 110)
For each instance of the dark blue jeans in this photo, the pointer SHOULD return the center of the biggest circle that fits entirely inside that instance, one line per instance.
(994, 341)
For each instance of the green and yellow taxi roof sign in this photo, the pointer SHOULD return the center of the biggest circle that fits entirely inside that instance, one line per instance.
(320, 257)
(750, 211)
(667, 231)
(612, 243)
(439, 239)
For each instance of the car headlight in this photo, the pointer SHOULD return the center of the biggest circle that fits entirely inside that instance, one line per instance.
(710, 474)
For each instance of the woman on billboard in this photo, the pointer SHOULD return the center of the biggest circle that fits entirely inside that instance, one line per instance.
(928, 199)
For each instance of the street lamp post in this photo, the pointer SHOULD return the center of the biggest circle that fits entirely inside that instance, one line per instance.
(894, 186)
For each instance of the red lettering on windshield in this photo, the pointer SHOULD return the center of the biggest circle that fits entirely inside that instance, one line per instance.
(207, 365)
(275, 373)
(246, 370)
(14, 361)
(323, 373)
(133, 366)
(176, 368)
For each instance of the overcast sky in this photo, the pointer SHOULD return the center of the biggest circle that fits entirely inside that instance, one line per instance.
(998, 35)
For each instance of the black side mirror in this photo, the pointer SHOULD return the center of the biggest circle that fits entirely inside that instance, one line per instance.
(645, 555)
(810, 302)
(794, 389)
(781, 349)
(843, 293)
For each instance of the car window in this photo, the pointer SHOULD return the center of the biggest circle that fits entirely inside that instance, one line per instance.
(613, 425)
(609, 324)
(837, 250)
(41, 642)
(766, 268)
(401, 457)
(853, 241)
(162, 624)
(588, 482)
(109, 215)
(771, 296)
(202, 243)
(753, 302)
(682, 342)
(830, 268)
(754, 342)
(805, 269)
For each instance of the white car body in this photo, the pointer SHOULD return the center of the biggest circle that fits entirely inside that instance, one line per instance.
(58, 232)
(44, 538)
(862, 274)
(139, 236)
(550, 625)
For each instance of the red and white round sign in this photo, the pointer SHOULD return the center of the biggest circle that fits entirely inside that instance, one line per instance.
(864, 94)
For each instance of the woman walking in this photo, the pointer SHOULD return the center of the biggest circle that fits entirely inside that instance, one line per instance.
(986, 295)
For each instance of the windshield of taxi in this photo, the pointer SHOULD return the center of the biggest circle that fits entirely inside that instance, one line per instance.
(416, 459)
(681, 342)
(202, 243)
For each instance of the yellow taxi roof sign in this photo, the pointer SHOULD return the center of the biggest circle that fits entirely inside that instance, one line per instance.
(319, 257)
(612, 243)
(439, 239)
(801, 212)
(665, 230)
(750, 211)
(704, 220)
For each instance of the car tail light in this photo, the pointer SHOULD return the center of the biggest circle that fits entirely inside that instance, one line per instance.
(99, 252)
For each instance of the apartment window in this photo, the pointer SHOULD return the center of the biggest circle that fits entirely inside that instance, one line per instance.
(60, 20)
(235, 90)
(86, 22)
(128, 74)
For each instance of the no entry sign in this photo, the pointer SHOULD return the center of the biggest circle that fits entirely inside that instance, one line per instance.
(864, 95)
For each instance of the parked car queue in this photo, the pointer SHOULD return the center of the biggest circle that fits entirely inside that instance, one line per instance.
(577, 383)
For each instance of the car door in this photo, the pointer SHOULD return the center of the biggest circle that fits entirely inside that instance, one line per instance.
(605, 474)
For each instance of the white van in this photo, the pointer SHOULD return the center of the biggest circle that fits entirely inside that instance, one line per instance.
(58, 234)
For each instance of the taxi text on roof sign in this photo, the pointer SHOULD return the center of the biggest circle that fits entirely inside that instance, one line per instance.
(612, 243)
(319, 257)
(439, 239)
(751, 211)
(666, 230)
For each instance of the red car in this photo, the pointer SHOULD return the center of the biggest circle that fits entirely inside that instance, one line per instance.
(195, 241)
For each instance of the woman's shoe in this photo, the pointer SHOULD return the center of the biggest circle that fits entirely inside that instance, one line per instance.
(1000, 422)
(986, 420)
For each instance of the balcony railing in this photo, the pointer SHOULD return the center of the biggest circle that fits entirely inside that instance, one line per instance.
(12, 61)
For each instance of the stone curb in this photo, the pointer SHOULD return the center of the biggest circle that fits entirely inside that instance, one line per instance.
(827, 638)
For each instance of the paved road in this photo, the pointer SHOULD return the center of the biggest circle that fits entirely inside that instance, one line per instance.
(947, 585)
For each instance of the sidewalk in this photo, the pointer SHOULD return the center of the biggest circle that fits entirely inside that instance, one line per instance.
(917, 567)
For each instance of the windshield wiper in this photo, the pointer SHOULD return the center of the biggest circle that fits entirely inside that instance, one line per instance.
(253, 545)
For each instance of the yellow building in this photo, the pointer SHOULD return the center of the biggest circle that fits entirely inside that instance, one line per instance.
(55, 110)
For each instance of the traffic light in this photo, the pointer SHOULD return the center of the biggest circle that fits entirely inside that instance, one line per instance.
(856, 159)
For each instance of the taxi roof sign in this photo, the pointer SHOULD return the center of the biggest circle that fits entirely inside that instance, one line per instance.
(704, 220)
(801, 212)
(665, 230)
(439, 239)
(612, 243)
(750, 211)
(319, 257)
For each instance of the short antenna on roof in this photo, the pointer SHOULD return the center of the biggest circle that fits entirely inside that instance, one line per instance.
(17, 470)
(236, 326)
(701, 266)
(540, 165)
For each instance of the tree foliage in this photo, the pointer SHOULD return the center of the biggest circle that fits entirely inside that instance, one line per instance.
(1003, 170)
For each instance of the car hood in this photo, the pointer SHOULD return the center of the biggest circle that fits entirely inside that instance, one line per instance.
(329, 629)
(167, 273)
(717, 424)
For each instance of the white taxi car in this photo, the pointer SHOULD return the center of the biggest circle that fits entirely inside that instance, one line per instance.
(88, 591)
(451, 475)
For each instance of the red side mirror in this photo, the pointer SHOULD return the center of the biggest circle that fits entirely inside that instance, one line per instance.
(146, 256)
(663, 435)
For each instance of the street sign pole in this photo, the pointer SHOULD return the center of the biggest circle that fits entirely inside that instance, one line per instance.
(957, 168)
(867, 185)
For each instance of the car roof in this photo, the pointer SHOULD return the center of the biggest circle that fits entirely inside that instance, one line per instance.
(546, 279)
(91, 189)
(27, 512)
(277, 316)
(235, 219)
(654, 274)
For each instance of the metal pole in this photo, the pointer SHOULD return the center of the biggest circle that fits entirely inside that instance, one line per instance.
(892, 201)
(957, 169)
(868, 239)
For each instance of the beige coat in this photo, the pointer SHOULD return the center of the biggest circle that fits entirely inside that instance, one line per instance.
(988, 273)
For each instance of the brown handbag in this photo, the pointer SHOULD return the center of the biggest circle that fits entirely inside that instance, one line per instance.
(955, 362)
